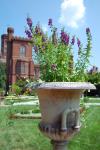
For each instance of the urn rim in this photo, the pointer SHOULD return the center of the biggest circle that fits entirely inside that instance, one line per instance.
(67, 85)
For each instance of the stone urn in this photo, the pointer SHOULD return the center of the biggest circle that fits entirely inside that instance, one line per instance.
(60, 109)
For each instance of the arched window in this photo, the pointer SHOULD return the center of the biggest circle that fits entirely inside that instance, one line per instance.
(22, 51)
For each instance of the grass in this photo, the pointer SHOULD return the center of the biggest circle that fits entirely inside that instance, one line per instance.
(23, 134)
(89, 136)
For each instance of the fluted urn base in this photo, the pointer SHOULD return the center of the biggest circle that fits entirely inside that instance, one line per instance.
(59, 145)
(56, 133)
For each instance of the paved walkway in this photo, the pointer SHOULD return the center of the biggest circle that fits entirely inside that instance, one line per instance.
(36, 102)
(92, 104)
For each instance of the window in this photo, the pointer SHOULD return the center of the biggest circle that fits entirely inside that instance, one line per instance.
(18, 67)
(23, 69)
(22, 51)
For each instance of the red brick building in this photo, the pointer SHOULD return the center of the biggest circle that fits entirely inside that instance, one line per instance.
(17, 53)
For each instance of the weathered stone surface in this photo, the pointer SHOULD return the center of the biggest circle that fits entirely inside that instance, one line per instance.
(67, 85)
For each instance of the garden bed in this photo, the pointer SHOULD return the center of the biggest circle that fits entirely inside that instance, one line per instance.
(26, 116)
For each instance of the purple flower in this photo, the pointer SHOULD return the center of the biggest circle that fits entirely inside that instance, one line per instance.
(65, 37)
(28, 33)
(53, 67)
(78, 42)
(35, 48)
(43, 47)
(31, 30)
(44, 39)
(73, 40)
(87, 30)
(38, 30)
(30, 36)
(29, 22)
(50, 22)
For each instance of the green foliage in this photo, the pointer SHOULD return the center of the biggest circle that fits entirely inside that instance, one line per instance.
(16, 89)
(30, 87)
(2, 75)
(55, 54)
(94, 78)
(22, 110)
(86, 99)
(21, 82)
(1, 92)
(36, 109)
(30, 92)
(83, 61)
(54, 63)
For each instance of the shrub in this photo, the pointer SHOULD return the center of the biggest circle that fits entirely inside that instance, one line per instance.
(2, 75)
(16, 89)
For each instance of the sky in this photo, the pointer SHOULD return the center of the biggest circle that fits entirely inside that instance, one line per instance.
(73, 15)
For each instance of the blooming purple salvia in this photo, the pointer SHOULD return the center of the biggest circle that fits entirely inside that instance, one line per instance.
(87, 30)
(73, 40)
(28, 33)
(38, 29)
(50, 22)
(35, 48)
(44, 39)
(30, 36)
(31, 30)
(78, 42)
(65, 37)
(29, 21)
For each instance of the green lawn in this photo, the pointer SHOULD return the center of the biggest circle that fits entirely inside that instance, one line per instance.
(89, 136)
(23, 134)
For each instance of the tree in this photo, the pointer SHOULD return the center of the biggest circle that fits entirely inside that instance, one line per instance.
(2, 75)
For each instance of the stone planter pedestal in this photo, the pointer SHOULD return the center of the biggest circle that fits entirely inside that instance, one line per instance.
(59, 104)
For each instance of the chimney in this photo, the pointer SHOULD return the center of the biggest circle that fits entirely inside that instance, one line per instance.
(10, 32)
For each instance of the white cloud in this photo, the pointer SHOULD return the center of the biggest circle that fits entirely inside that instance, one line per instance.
(45, 27)
(72, 13)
